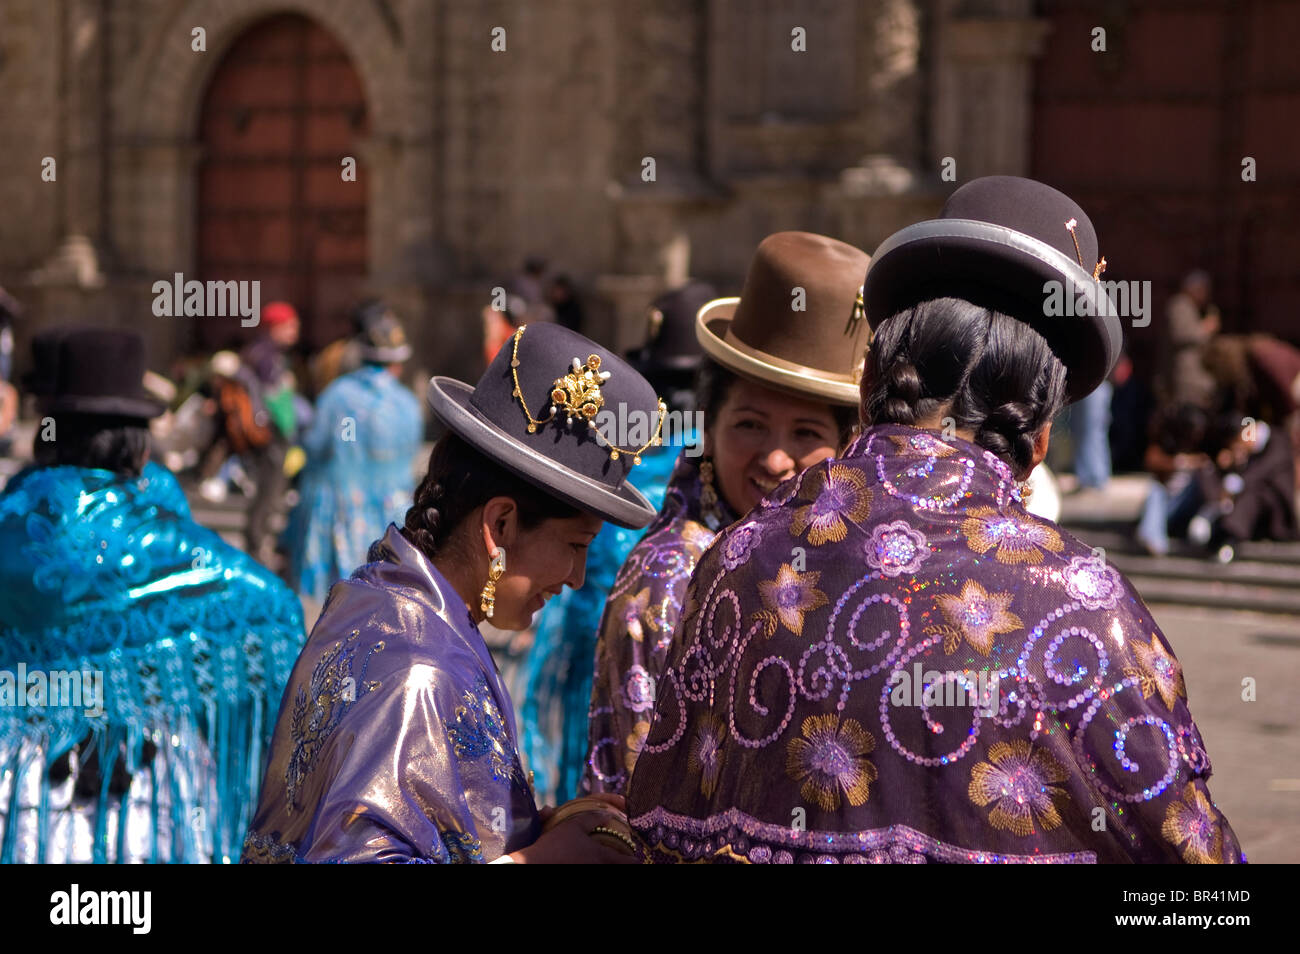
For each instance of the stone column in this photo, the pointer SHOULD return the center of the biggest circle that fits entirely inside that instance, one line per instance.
(983, 87)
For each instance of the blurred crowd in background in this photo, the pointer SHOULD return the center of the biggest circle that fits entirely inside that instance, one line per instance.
(1214, 423)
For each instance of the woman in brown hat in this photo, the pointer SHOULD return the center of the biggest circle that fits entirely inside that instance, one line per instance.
(779, 395)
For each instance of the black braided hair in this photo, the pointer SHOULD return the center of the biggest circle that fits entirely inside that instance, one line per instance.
(713, 383)
(459, 480)
(991, 374)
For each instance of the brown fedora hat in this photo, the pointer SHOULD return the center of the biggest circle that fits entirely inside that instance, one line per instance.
(798, 325)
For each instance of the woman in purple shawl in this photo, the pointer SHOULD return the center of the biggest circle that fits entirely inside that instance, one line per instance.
(396, 739)
(890, 660)
(779, 395)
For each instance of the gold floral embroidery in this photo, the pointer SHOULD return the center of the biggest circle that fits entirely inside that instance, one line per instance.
(635, 743)
(975, 614)
(766, 621)
(705, 755)
(1194, 820)
(1158, 671)
(1016, 540)
(791, 595)
(837, 493)
(1020, 782)
(634, 611)
(831, 761)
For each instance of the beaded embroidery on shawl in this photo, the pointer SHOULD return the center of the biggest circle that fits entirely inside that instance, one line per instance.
(319, 706)
(640, 616)
(954, 575)
(480, 732)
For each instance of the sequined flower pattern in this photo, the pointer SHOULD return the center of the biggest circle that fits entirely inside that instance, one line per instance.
(830, 759)
(895, 548)
(705, 755)
(922, 444)
(1158, 672)
(638, 689)
(1020, 783)
(791, 595)
(1093, 582)
(976, 615)
(1192, 824)
(838, 494)
(1014, 540)
(740, 543)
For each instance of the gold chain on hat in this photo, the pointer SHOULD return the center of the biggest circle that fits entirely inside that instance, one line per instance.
(578, 394)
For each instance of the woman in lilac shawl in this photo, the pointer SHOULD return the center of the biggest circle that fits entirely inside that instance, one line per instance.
(779, 396)
(890, 660)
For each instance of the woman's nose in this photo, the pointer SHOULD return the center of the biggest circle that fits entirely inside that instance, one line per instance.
(579, 573)
(778, 463)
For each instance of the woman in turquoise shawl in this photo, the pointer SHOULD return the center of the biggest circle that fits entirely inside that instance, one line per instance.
(361, 449)
(141, 657)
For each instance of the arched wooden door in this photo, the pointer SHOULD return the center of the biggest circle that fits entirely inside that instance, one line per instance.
(282, 111)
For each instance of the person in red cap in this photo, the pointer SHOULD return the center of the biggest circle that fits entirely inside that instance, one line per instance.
(273, 381)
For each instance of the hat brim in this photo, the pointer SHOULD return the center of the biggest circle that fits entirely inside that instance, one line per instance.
(386, 355)
(1006, 270)
(106, 405)
(627, 506)
(711, 324)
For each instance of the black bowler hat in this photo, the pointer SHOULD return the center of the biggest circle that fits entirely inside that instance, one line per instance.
(91, 371)
(997, 243)
(538, 412)
(670, 343)
(379, 333)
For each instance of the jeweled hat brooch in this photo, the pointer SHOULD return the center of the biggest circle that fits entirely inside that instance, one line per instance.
(571, 451)
(577, 394)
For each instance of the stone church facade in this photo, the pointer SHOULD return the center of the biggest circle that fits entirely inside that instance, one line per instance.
(470, 157)
(482, 131)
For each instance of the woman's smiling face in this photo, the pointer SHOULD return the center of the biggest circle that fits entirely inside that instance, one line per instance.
(541, 562)
(760, 437)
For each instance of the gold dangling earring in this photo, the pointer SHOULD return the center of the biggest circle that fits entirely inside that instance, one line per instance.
(488, 598)
(1026, 491)
(709, 495)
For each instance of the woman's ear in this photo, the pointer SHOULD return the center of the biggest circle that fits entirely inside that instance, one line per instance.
(500, 523)
(1041, 441)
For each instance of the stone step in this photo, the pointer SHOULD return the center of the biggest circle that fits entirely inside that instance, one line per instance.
(1248, 572)
(1119, 539)
(1218, 594)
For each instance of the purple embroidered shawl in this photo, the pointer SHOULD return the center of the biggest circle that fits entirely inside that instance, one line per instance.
(638, 624)
(890, 660)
